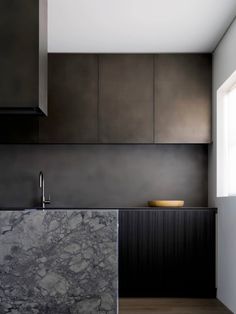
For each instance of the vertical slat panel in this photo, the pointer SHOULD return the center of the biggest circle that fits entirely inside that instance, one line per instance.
(167, 253)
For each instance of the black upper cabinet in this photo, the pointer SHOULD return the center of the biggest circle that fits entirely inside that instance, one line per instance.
(183, 98)
(107, 98)
(72, 99)
(126, 98)
(23, 57)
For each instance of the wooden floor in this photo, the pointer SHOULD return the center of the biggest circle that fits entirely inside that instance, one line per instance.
(172, 306)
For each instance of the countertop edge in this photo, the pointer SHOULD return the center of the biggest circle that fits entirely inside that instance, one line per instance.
(111, 208)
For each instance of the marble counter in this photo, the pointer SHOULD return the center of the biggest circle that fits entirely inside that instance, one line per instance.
(58, 261)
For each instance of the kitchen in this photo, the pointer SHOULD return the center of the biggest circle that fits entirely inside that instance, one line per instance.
(97, 119)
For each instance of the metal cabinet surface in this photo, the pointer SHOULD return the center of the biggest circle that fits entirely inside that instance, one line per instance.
(73, 100)
(23, 57)
(183, 98)
(126, 98)
(121, 99)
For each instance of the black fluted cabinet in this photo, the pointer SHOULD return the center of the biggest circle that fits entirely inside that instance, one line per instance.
(167, 253)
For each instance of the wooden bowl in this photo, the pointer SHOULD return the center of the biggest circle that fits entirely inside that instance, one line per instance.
(166, 203)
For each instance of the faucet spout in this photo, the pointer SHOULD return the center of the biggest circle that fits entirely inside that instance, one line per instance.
(44, 201)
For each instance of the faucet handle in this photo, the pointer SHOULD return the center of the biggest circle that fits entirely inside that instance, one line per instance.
(48, 201)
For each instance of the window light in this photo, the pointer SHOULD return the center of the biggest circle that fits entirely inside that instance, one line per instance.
(226, 138)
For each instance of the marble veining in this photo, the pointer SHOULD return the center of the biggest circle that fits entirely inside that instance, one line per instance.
(58, 261)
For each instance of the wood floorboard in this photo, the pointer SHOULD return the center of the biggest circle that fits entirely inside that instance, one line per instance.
(172, 306)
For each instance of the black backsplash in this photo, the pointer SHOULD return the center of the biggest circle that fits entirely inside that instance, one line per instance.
(103, 175)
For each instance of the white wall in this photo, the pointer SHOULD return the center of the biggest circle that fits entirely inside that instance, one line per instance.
(137, 25)
(224, 64)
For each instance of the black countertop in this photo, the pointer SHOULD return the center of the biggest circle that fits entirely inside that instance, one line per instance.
(111, 208)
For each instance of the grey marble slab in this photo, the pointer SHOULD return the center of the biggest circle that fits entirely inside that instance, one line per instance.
(58, 262)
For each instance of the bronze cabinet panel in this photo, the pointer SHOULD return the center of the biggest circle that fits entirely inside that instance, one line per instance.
(126, 98)
(113, 98)
(73, 100)
(183, 98)
(23, 57)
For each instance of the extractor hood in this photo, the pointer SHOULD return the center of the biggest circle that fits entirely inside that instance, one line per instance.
(23, 57)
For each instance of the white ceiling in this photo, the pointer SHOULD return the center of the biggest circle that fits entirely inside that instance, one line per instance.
(138, 25)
